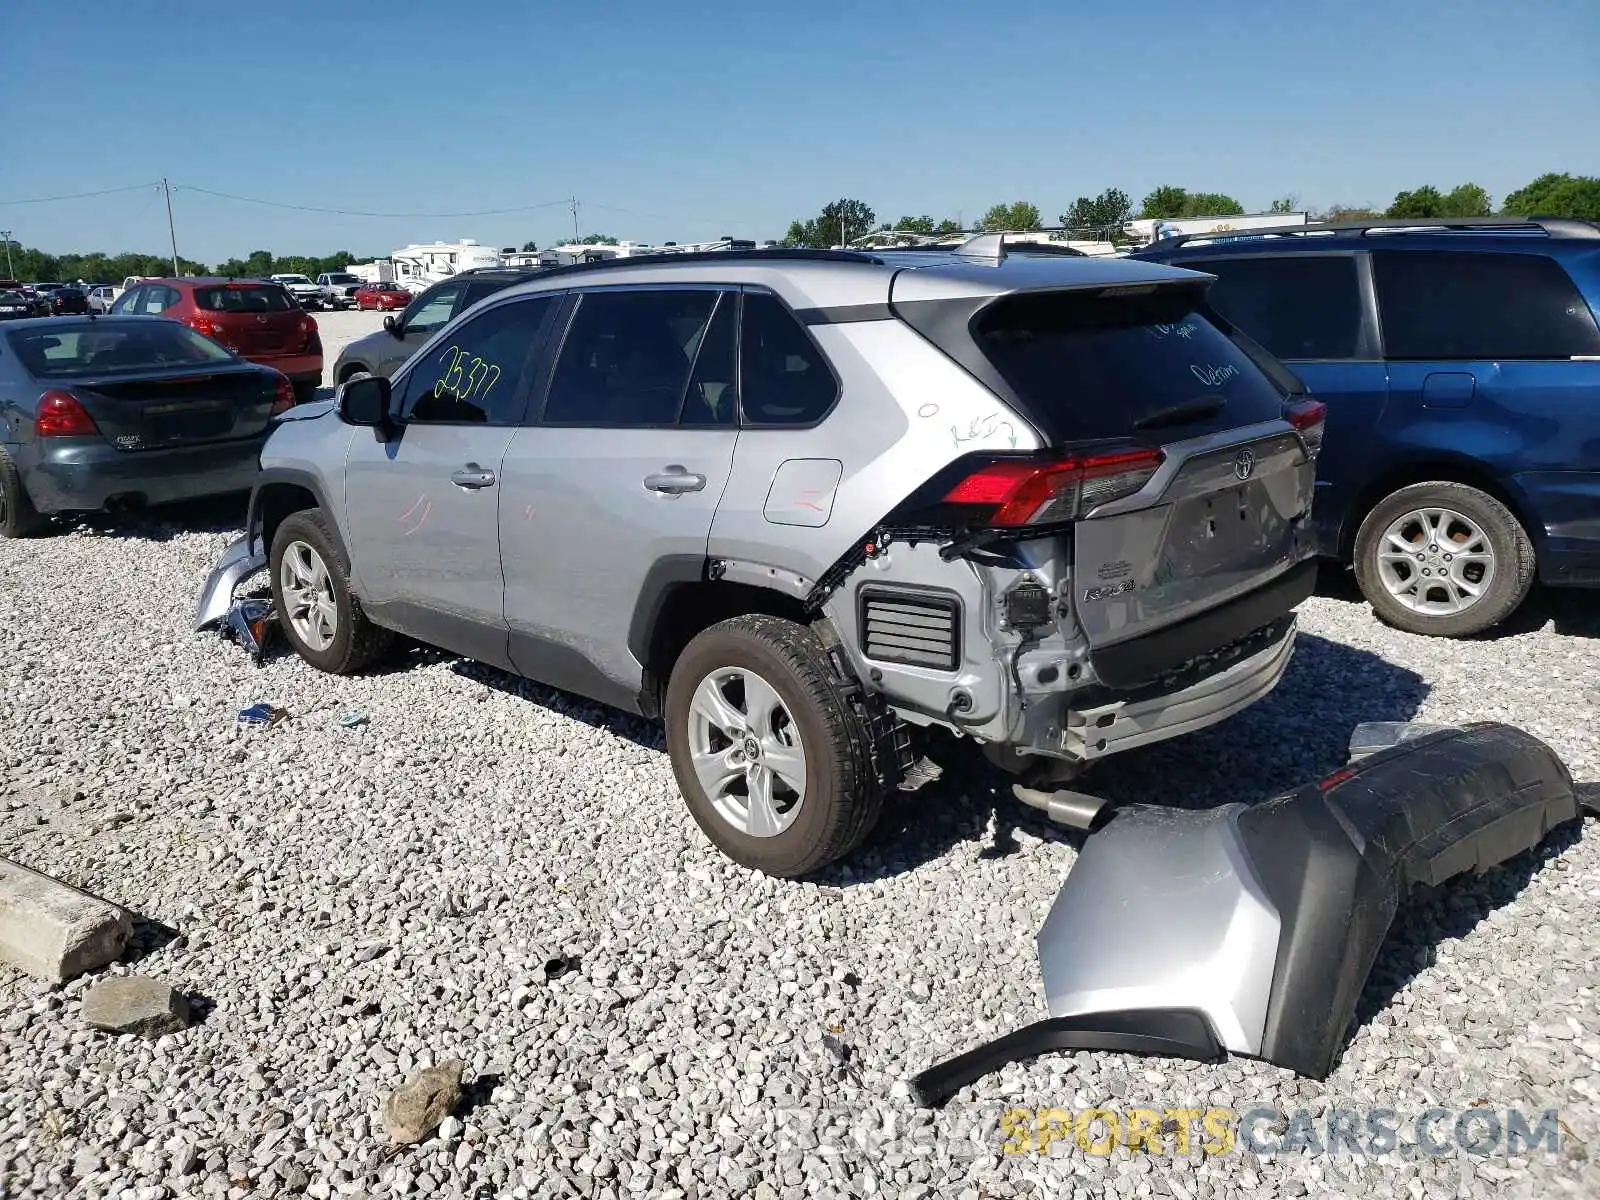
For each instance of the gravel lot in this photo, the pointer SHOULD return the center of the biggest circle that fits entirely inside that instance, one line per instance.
(348, 905)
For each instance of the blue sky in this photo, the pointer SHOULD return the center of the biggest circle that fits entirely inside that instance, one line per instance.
(734, 117)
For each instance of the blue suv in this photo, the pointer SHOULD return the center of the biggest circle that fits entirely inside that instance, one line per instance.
(1460, 365)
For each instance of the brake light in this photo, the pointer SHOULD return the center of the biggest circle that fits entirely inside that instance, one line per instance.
(284, 400)
(60, 415)
(1034, 492)
(1309, 417)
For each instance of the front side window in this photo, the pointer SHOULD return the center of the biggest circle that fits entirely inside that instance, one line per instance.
(474, 377)
(627, 358)
(126, 302)
(784, 378)
(432, 310)
(1462, 305)
(1304, 306)
(156, 300)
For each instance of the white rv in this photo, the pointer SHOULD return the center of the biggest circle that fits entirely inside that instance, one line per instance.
(423, 264)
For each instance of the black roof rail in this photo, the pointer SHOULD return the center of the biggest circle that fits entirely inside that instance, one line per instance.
(1552, 226)
(768, 254)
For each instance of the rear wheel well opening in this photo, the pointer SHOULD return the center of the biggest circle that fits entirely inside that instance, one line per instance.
(352, 369)
(690, 608)
(1473, 475)
(276, 503)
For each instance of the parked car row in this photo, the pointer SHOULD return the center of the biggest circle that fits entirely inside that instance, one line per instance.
(44, 299)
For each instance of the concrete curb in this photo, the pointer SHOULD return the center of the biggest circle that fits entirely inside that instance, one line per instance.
(52, 930)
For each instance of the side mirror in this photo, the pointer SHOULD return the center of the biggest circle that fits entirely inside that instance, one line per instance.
(365, 401)
(393, 326)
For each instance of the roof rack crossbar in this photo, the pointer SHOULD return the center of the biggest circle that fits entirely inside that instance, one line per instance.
(1552, 226)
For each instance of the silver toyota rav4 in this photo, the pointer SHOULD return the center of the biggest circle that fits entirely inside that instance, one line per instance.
(801, 504)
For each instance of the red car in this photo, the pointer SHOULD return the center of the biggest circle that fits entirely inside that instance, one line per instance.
(382, 295)
(256, 319)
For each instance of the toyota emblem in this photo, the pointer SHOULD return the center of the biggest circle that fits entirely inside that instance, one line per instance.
(1244, 464)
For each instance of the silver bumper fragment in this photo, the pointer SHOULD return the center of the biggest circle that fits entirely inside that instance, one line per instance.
(238, 562)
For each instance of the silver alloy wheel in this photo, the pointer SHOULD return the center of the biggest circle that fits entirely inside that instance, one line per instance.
(747, 751)
(307, 589)
(1436, 561)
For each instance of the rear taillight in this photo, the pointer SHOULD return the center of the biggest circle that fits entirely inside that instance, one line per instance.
(1308, 417)
(60, 415)
(1035, 492)
(205, 325)
(284, 400)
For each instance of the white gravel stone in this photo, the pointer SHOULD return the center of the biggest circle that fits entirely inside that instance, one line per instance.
(479, 827)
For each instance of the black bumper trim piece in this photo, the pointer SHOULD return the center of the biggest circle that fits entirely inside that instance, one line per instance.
(1138, 660)
(1180, 1033)
(1338, 858)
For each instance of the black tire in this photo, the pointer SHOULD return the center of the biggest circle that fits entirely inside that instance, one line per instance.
(18, 517)
(841, 801)
(305, 393)
(1508, 542)
(356, 642)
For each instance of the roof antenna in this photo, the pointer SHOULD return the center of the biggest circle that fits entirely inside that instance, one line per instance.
(991, 246)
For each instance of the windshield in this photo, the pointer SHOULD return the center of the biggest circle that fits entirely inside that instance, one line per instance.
(344, 279)
(111, 349)
(291, 279)
(242, 298)
(12, 297)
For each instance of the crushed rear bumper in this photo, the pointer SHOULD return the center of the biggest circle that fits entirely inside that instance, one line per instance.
(238, 562)
(1252, 929)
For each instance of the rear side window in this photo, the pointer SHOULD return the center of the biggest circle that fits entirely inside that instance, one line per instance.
(233, 298)
(474, 377)
(1090, 366)
(1478, 306)
(784, 379)
(1301, 307)
(627, 358)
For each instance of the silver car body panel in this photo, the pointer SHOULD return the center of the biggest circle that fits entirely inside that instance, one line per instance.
(238, 562)
(1198, 932)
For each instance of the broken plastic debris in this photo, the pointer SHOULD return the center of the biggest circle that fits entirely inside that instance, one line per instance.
(558, 966)
(351, 719)
(263, 714)
(250, 623)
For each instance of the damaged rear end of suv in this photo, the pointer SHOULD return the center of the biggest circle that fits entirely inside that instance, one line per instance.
(1123, 566)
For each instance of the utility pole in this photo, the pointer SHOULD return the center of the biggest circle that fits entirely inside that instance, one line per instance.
(576, 236)
(6, 233)
(171, 233)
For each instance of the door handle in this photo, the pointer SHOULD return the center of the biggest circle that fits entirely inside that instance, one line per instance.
(473, 476)
(674, 481)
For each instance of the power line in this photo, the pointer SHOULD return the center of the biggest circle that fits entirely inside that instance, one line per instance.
(132, 187)
(345, 212)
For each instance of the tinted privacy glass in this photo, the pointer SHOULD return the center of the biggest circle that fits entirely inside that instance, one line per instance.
(785, 380)
(1091, 367)
(135, 346)
(242, 299)
(711, 399)
(627, 358)
(1480, 306)
(1308, 306)
(475, 376)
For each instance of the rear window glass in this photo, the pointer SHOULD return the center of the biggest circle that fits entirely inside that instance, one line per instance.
(1480, 306)
(250, 299)
(1088, 366)
(110, 349)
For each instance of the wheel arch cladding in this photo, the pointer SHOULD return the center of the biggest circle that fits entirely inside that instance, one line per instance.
(281, 493)
(677, 601)
(1466, 471)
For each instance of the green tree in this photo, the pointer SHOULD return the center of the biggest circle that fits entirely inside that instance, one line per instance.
(1016, 216)
(922, 224)
(600, 239)
(1465, 200)
(1108, 211)
(1424, 202)
(1165, 203)
(1555, 195)
(1284, 204)
(837, 224)
(1346, 212)
(529, 247)
(946, 226)
(1211, 204)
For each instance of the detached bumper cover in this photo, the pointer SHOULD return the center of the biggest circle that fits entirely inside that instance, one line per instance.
(238, 562)
(1263, 922)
